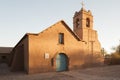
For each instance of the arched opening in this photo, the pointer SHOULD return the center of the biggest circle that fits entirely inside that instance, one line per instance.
(88, 22)
(77, 23)
(61, 62)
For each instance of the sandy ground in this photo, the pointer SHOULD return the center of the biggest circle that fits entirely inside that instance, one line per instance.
(98, 73)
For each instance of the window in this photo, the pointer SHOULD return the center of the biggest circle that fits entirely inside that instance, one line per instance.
(61, 38)
(88, 22)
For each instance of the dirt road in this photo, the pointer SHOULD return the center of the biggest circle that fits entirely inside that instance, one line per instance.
(98, 73)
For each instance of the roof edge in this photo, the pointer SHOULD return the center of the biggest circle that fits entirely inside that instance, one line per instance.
(75, 35)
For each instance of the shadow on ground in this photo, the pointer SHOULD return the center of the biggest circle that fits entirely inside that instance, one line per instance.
(96, 73)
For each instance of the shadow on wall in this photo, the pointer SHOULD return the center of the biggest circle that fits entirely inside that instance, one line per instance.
(18, 59)
(86, 60)
(95, 60)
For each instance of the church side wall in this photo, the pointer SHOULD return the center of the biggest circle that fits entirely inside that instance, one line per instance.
(20, 56)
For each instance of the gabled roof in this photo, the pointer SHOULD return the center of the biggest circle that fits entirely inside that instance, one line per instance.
(66, 26)
(5, 49)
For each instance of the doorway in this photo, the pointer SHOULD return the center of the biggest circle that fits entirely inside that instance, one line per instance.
(61, 62)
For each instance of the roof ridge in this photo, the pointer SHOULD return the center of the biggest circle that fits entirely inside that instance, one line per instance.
(63, 22)
(75, 35)
(50, 26)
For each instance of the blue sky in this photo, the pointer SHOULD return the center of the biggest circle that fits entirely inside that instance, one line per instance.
(18, 17)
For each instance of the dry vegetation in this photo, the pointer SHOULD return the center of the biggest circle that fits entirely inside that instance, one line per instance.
(98, 73)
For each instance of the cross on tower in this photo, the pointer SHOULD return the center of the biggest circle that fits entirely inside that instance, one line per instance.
(83, 5)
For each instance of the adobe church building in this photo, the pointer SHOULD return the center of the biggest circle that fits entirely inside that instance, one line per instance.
(58, 48)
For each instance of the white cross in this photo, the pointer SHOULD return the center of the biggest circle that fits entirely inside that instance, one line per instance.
(83, 5)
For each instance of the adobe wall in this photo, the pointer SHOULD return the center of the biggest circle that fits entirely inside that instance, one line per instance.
(20, 56)
(47, 43)
(92, 46)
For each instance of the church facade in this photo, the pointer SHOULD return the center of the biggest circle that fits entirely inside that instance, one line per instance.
(58, 48)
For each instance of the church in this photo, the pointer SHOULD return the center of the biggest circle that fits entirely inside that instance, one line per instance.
(58, 48)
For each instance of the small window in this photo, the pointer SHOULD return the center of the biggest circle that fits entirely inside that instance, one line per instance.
(61, 38)
(88, 22)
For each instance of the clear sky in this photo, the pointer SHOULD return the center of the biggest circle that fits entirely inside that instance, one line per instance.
(18, 17)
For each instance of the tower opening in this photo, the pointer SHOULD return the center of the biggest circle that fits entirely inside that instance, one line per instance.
(87, 22)
(77, 23)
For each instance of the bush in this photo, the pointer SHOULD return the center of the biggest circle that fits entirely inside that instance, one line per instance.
(115, 59)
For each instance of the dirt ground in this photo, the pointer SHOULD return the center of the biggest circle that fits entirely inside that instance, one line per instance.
(98, 73)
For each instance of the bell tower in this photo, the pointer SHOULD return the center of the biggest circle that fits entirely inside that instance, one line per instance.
(82, 22)
(83, 28)
(83, 19)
